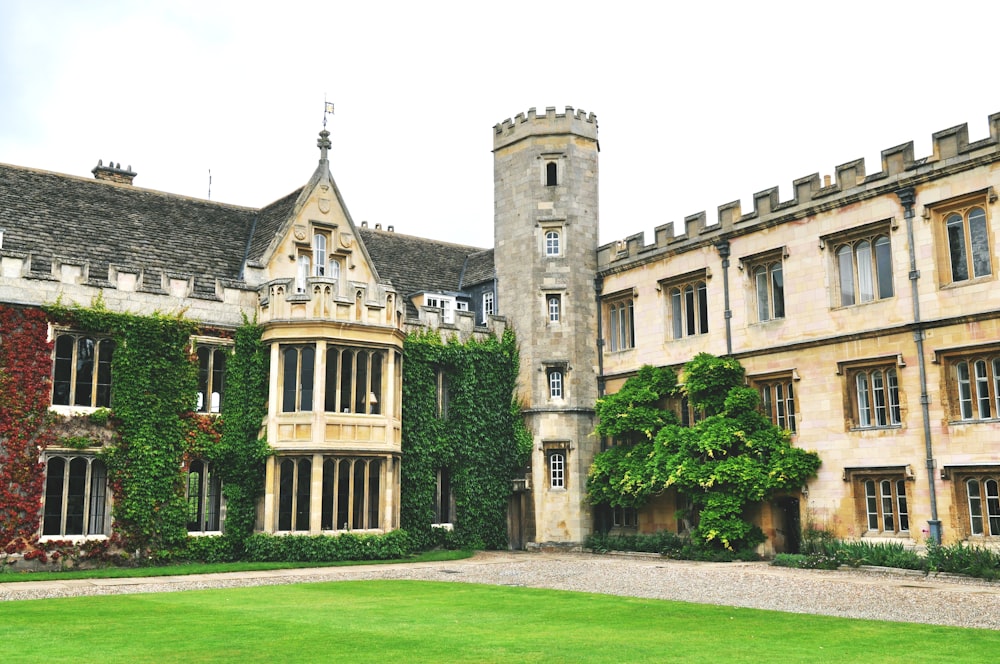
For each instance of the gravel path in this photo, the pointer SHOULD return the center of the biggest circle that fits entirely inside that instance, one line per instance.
(889, 595)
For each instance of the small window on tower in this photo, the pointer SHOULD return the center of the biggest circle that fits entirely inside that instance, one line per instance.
(551, 178)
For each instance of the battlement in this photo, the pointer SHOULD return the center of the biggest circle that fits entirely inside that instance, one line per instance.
(951, 152)
(577, 122)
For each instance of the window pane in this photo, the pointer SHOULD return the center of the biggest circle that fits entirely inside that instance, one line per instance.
(375, 396)
(904, 513)
(777, 291)
(887, 520)
(105, 353)
(374, 493)
(302, 495)
(676, 309)
(979, 239)
(866, 290)
(218, 380)
(614, 327)
(779, 402)
(845, 263)
(204, 366)
(98, 498)
(883, 264)
(864, 404)
(702, 308)
(763, 305)
(956, 248)
(75, 496)
(84, 371)
(765, 402)
(791, 409)
(286, 483)
(878, 396)
(308, 368)
(975, 507)
(343, 495)
(52, 523)
(346, 379)
(358, 516)
(893, 394)
(964, 391)
(62, 376)
(871, 504)
(982, 390)
(361, 381)
(993, 506)
(291, 365)
(319, 252)
(326, 499)
(996, 384)
(689, 311)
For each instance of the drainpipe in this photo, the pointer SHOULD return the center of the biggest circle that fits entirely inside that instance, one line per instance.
(906, 197)
(723, 247)
(598, 289)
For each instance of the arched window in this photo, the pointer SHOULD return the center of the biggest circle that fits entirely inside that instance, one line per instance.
(319, 255)
(298, 365)
(688, 309)
(877, 397)
(555, 384)
(557, 470)
(968, 244)
(204, 497)
(864, 270)
(554, 308)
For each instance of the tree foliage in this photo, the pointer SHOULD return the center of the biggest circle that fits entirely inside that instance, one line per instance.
(730, 459)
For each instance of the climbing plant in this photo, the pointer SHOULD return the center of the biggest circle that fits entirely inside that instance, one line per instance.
(240, 456)
(155, 387)
(731, 458)
(477, 438)
(25, 422)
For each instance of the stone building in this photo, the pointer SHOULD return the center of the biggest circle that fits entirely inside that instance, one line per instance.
(864, 309)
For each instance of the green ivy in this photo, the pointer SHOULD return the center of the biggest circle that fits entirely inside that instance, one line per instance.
(155, 386)
(482, 442)
(239, 458)
(732, 458)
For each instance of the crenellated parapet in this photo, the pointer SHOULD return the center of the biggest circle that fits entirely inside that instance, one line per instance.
(576, 122)
(951, 153)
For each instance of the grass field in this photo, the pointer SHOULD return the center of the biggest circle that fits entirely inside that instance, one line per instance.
(414, 621)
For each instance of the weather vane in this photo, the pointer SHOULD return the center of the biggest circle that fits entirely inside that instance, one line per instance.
(327, 110)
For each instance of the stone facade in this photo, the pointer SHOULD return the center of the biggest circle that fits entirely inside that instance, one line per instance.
(864, 308)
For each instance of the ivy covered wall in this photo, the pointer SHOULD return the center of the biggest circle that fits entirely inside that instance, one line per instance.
(460, 416)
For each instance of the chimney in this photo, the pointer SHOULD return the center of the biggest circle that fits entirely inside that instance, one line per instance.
(113, 172)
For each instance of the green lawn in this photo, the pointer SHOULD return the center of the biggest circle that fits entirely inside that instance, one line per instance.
(413, 621)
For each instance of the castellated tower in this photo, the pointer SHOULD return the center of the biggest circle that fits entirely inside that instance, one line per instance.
(545, 239)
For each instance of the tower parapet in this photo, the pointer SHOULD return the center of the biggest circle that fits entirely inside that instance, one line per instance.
(575, 122)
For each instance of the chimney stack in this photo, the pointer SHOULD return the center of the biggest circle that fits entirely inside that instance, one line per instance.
(113, 172)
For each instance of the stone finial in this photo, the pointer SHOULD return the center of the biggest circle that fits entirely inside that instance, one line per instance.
(324, 144)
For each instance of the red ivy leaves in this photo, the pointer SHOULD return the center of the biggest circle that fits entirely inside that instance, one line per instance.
(25, 422)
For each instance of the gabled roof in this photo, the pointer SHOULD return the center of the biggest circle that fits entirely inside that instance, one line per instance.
(416, 264)
(53, 215)
(270, 221)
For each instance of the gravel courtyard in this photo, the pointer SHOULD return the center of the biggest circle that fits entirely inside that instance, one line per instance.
(889, 595)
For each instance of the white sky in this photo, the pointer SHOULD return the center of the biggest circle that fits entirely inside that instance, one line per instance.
(699, 104)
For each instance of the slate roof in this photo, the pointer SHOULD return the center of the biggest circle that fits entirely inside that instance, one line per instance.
(54, 215)
(479, 267)
(415, 264)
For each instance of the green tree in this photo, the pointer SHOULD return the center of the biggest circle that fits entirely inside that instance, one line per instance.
(731, 458)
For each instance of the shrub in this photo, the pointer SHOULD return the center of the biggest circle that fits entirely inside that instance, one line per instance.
(262, 547)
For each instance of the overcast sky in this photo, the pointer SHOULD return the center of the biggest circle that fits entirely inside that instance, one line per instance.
(699, 104)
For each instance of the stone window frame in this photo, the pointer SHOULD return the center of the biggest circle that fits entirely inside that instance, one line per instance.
(553, 308)
(986, 478)
(444, 500)
(619, 312)
(294, 386)
(860, 251)
(960, 208)
(203, 495)
(557, 463)
(94, 506)
(767, 295)
(686, 299)
(99, 390)
(364, 491)
(862, 399)
(881, 499)
(293, 493)
(552, 237)
(366, 388)
(954, 398)
(777, 397)
(211, 377)
(551, 168)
